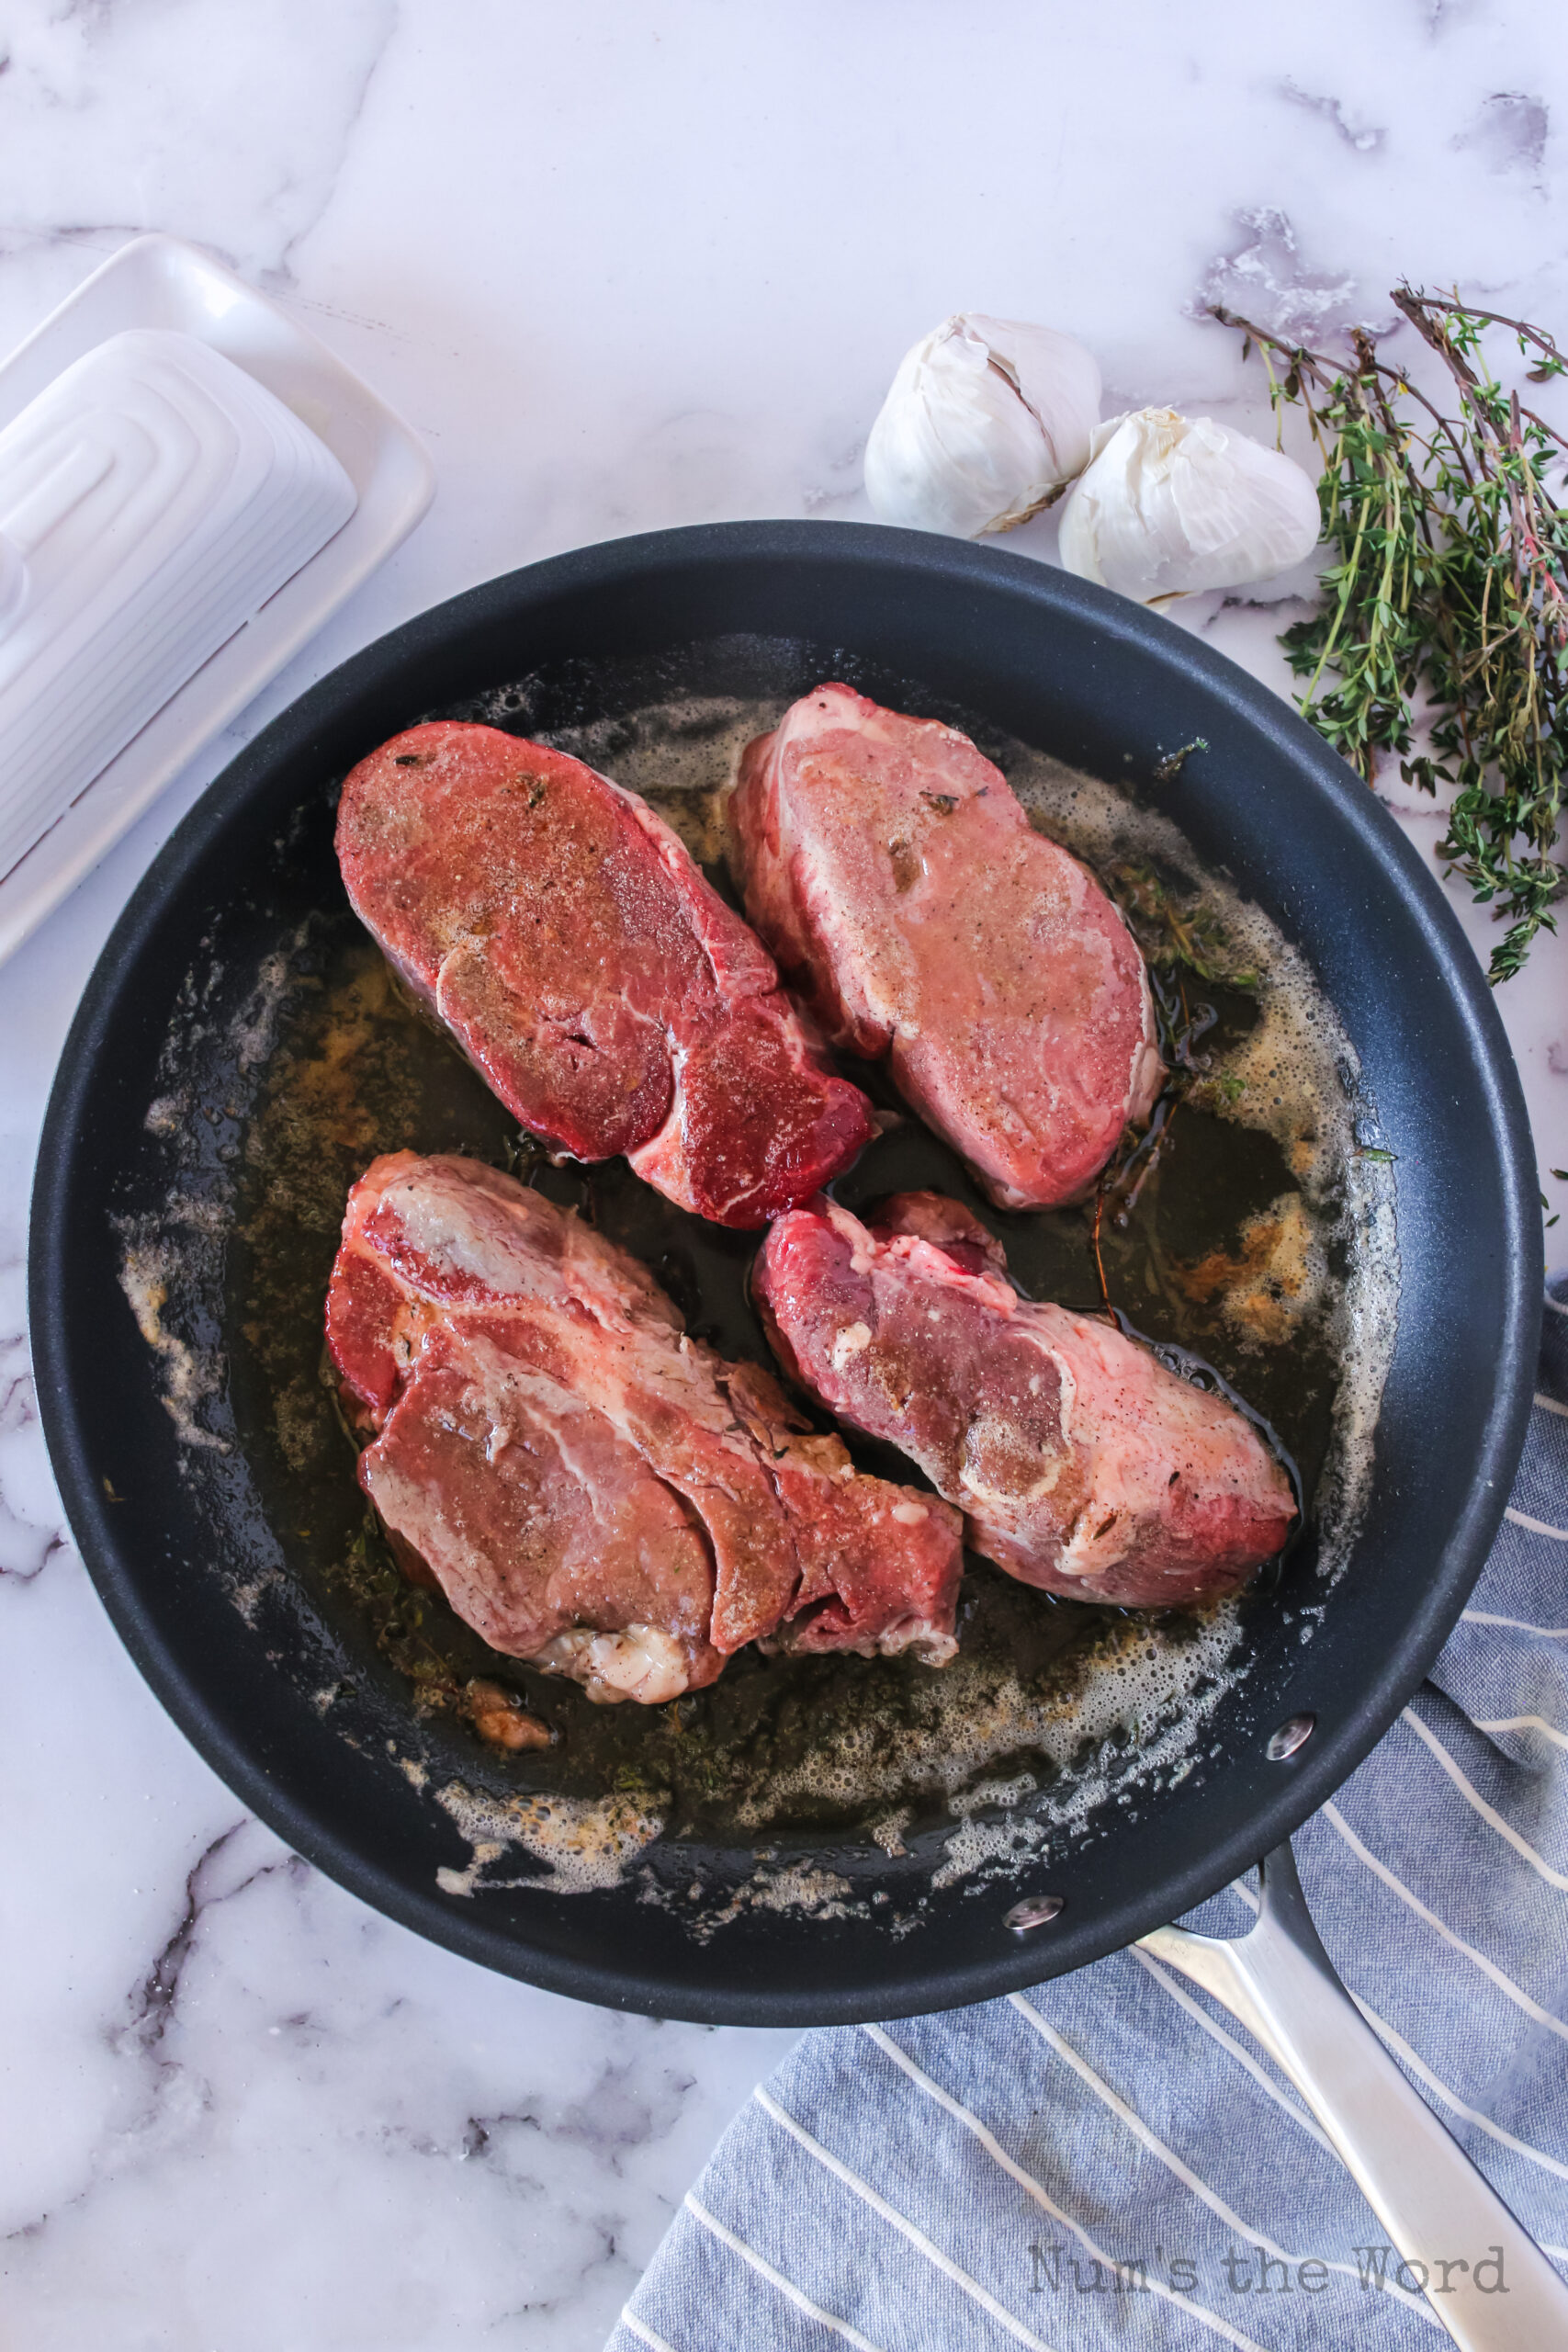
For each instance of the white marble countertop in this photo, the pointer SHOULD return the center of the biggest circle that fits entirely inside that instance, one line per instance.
(621, 267)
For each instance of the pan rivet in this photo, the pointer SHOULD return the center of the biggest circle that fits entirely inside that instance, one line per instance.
(1032, 1912)
(1291, 1735)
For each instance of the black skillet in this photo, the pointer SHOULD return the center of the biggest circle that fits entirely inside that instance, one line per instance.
(212, 1592)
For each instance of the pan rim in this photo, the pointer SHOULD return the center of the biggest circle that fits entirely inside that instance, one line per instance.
(1303, 1785)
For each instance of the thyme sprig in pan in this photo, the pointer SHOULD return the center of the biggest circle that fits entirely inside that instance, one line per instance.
(1449, 588)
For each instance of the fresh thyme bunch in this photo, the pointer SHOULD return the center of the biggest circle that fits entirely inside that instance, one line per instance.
(1451, 586)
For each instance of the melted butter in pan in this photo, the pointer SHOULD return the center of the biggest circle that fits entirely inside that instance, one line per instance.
(1260, 1239)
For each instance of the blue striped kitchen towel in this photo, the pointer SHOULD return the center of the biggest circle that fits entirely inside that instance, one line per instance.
(975, 2178)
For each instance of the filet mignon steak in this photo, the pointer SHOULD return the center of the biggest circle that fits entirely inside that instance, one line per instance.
(898, 881)
(591, 1489)
(614, 1002)
(1082, 1466)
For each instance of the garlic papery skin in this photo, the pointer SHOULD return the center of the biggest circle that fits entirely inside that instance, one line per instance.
(987, 420)
(1169, 505)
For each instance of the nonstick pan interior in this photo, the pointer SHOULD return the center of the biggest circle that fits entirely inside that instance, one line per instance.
(186, 1541)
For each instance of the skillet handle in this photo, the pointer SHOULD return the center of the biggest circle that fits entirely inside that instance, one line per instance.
(1440, 2215)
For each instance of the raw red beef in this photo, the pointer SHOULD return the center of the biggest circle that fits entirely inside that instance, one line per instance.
(591, 1489)
(615, 1003)
(895, 875)
(1082, 1464)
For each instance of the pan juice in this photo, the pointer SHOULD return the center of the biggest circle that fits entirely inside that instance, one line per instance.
(1259, 1237)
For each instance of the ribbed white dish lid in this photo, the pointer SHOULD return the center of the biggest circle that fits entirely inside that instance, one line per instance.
(151, 500)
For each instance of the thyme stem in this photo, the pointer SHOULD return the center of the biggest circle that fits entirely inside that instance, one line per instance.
(1451, 581)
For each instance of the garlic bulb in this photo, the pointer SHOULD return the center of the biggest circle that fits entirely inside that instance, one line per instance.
(987, 420)
(1172, 504)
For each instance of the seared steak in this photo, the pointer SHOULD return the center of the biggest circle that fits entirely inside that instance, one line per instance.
(612, 1001)
(1081, 1464)
(895, 875)
(591, 1489)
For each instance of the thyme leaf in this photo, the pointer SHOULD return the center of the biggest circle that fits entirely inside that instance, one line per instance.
(1170, 767)
(1172, 929)
(1449, 586)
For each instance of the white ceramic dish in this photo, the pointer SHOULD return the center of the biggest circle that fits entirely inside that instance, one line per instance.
(159, 282)
(152, 501)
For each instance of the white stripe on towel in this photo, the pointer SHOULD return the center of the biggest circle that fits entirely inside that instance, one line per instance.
(1184, 2173)
(1439, 2089)
(1535, 1526)
(1503, 1984)
(787, 2286)
(905, 2228)
(1524, 1723)
(644, 2333)
(1488, 1813)
(1026, 2180)
(1228, 2042)
(1380, 2026)
(1516, 1624)
(1550, 1404)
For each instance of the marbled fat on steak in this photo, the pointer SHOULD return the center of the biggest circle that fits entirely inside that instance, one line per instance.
(894, 874)
(591, 1489)
(605, 990)
(1082, 1466)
